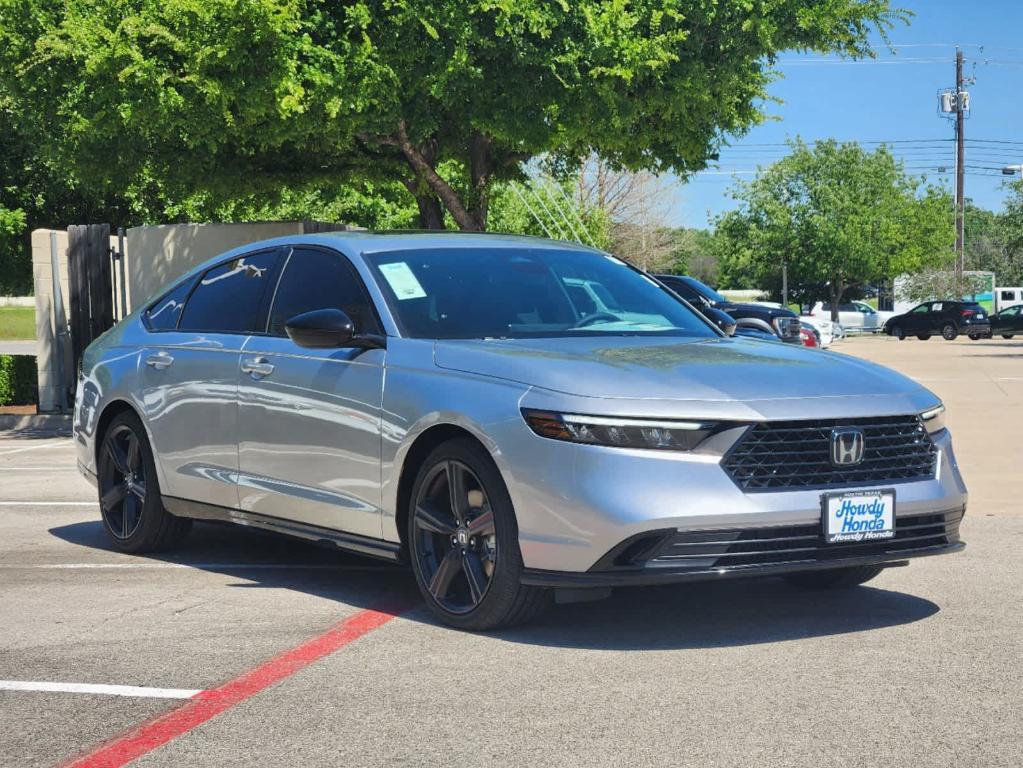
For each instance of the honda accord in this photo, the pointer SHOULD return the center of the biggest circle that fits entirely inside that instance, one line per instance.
(523, 422)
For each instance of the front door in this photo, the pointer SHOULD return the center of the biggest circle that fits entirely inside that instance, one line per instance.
(189, 374)
(309, 419)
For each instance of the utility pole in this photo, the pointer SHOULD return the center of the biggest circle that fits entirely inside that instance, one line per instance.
(960, 175)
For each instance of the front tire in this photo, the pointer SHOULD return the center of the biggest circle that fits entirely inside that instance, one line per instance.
(463, 542)
(897, 332)
(1008, 335)
(129, 492)
(923, 336)
(949, 332)
(833, 578)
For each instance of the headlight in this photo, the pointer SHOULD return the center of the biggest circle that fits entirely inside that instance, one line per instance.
(786, 327)
(934, 419)
(658, 434)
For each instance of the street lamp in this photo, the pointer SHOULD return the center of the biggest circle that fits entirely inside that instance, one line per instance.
(1012, 170)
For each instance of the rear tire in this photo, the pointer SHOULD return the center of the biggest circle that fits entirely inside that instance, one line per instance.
(130, 503)
(464, 543)
(897, 332)
(923, 336)
(1008, 335)
(833, 578)
(974, 336)
(949, 332)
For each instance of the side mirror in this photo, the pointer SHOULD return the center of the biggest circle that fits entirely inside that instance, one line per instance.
(323, 329)
(722, 320)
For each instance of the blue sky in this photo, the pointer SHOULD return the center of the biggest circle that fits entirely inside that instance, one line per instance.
(894, 99)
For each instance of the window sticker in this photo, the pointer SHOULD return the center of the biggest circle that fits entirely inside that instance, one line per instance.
(402, 281)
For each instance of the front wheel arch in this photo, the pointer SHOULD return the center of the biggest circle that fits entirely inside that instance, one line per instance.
(417, 453)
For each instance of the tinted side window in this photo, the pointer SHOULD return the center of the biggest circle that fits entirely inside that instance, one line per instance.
(164, 314)
(315, 279)
(228, 298)
(684, 291)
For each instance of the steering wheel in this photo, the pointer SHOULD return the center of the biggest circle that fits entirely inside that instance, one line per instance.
(596, 317)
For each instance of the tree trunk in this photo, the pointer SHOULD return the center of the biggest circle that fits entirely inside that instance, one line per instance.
(837, 290)
(431, 215)
(425, 171)
(481, 167)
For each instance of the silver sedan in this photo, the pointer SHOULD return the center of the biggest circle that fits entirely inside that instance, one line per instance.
(522, 421)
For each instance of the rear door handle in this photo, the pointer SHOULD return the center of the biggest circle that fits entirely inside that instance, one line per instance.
(159, 361)
(257, 367)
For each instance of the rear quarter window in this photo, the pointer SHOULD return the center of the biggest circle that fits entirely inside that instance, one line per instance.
(164, 314)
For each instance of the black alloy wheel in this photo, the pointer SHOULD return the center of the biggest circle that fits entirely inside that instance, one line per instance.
(456, 540)
(130, 501)
(897, 332)
(463, 541)
(949, 331)
(122, 482)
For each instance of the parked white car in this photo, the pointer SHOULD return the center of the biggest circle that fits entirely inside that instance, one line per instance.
(855, 316)
(829, 331)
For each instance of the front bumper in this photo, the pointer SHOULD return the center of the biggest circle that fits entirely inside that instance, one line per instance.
(671, 556)
(577, 503)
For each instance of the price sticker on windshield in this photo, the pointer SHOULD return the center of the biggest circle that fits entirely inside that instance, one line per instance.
(402, 280)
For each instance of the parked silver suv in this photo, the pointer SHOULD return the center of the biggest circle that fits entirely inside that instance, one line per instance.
(455, 401)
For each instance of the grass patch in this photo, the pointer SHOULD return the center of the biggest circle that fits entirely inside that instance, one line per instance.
(17, 323)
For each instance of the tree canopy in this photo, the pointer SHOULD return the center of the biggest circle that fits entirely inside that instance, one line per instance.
(837, 216)
(170, 98)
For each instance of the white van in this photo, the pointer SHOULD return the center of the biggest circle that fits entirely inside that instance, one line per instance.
(1007, 297)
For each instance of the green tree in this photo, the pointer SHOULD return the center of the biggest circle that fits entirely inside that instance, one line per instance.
(838, 217)
(444, 97)
(994, 240)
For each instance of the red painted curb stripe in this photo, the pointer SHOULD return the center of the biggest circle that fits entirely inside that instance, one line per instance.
(208, 704)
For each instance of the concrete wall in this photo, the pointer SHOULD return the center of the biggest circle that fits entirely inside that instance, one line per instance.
(158, 255)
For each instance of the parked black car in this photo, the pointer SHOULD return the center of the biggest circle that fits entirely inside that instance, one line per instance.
(1008, 322)
(782, 323)
(949, 318)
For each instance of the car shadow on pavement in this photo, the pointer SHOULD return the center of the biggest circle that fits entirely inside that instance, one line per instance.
(697, 615)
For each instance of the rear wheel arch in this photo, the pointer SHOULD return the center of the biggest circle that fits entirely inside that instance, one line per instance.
(110, 411)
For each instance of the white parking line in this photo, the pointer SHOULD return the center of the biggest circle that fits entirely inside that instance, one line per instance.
(49, 503)
(200, 566)
(56, 468)
(35, 447)
(106, 690)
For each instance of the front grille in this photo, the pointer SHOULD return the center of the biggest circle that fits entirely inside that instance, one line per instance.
(702, 550)
(797, 454)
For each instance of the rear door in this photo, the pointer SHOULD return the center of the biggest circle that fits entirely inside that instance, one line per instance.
(190, 376)
(309, 420)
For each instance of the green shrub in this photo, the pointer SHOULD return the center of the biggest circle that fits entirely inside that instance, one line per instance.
(18, 380)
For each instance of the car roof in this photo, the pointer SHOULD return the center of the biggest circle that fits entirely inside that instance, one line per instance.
(365, 241)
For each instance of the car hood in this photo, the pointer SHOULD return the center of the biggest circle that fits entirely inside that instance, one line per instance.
(675, 369)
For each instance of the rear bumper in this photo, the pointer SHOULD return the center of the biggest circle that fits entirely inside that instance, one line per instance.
(980, 329)
(671, 556)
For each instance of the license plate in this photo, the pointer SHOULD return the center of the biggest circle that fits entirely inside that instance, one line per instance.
(858, 516)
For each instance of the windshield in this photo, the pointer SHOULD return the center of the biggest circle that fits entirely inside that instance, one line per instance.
(705, 290)
(474, 293)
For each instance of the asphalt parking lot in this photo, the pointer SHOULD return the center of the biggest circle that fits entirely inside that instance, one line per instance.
(244, 649)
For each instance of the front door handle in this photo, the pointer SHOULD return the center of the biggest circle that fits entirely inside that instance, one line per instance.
(159, 361)
(258, 367)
